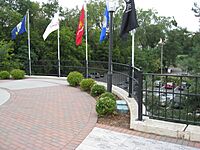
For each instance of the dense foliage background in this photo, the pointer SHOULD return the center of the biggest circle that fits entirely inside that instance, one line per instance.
(181, 47)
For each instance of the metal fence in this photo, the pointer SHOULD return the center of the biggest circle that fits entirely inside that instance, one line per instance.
(173, 98)
(121, 73)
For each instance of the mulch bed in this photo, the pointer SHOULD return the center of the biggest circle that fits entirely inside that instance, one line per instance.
(117, 120)
(121, 120)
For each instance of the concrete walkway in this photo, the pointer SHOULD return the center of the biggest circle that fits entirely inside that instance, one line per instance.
(102, 139)
(46, 114)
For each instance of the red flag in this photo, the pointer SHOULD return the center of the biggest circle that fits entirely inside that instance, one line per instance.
(80, 30)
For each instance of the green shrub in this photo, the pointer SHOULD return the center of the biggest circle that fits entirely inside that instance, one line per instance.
(107, 94)
(105, 106)
(74, 78)
(17, 74)
(86, 84)
(4, 75)
(97, 90)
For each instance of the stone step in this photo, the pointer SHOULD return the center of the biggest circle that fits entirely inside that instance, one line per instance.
(122, 106)
(121, 102)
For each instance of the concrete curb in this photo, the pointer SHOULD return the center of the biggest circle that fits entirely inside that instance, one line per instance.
(4, 96)
(192, 133)
(46, 77)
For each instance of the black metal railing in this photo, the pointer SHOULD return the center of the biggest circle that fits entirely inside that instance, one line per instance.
(120, 73)
(97, 70)
(172, 98)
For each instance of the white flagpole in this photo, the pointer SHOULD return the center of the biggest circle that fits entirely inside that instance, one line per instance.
(29, 45)
(133, 57)
(161, 58)
(86, 40)
(58, 47)
(133, 48)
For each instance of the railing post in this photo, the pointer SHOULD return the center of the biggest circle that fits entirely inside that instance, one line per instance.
(140, 94)
(130, 90)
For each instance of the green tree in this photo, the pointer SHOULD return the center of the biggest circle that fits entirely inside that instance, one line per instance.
(178, 43)
(152, 27)
(6, 56)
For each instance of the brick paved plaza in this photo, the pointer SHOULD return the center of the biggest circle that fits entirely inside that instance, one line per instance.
(50, 115)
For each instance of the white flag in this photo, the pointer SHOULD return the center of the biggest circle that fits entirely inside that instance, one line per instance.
(54, 25)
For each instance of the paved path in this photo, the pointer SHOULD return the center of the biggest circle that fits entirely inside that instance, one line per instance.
(103, 139)
(42, 115)
(46, 114)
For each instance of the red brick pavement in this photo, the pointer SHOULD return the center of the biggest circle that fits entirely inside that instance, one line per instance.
(51, 118)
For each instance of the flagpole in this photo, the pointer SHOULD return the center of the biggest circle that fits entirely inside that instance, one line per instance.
(161, 58)
(86, 40)
(133, 49)
(29, 45)
(58, 49)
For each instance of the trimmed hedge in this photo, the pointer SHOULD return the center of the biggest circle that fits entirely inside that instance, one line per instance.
(86, 84)
(105, 106)
(74, 78)
(97, 90)
(4, 75)
(107, 94)
(17, 74)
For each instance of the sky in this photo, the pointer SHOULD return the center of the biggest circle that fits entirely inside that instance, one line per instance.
(180, 9)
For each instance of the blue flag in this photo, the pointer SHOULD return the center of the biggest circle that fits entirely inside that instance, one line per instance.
(19, 29)
(105, 25)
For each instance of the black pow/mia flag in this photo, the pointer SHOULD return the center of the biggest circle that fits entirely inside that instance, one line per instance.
(129, 20)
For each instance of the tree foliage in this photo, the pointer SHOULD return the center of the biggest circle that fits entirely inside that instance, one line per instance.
(152, 28)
